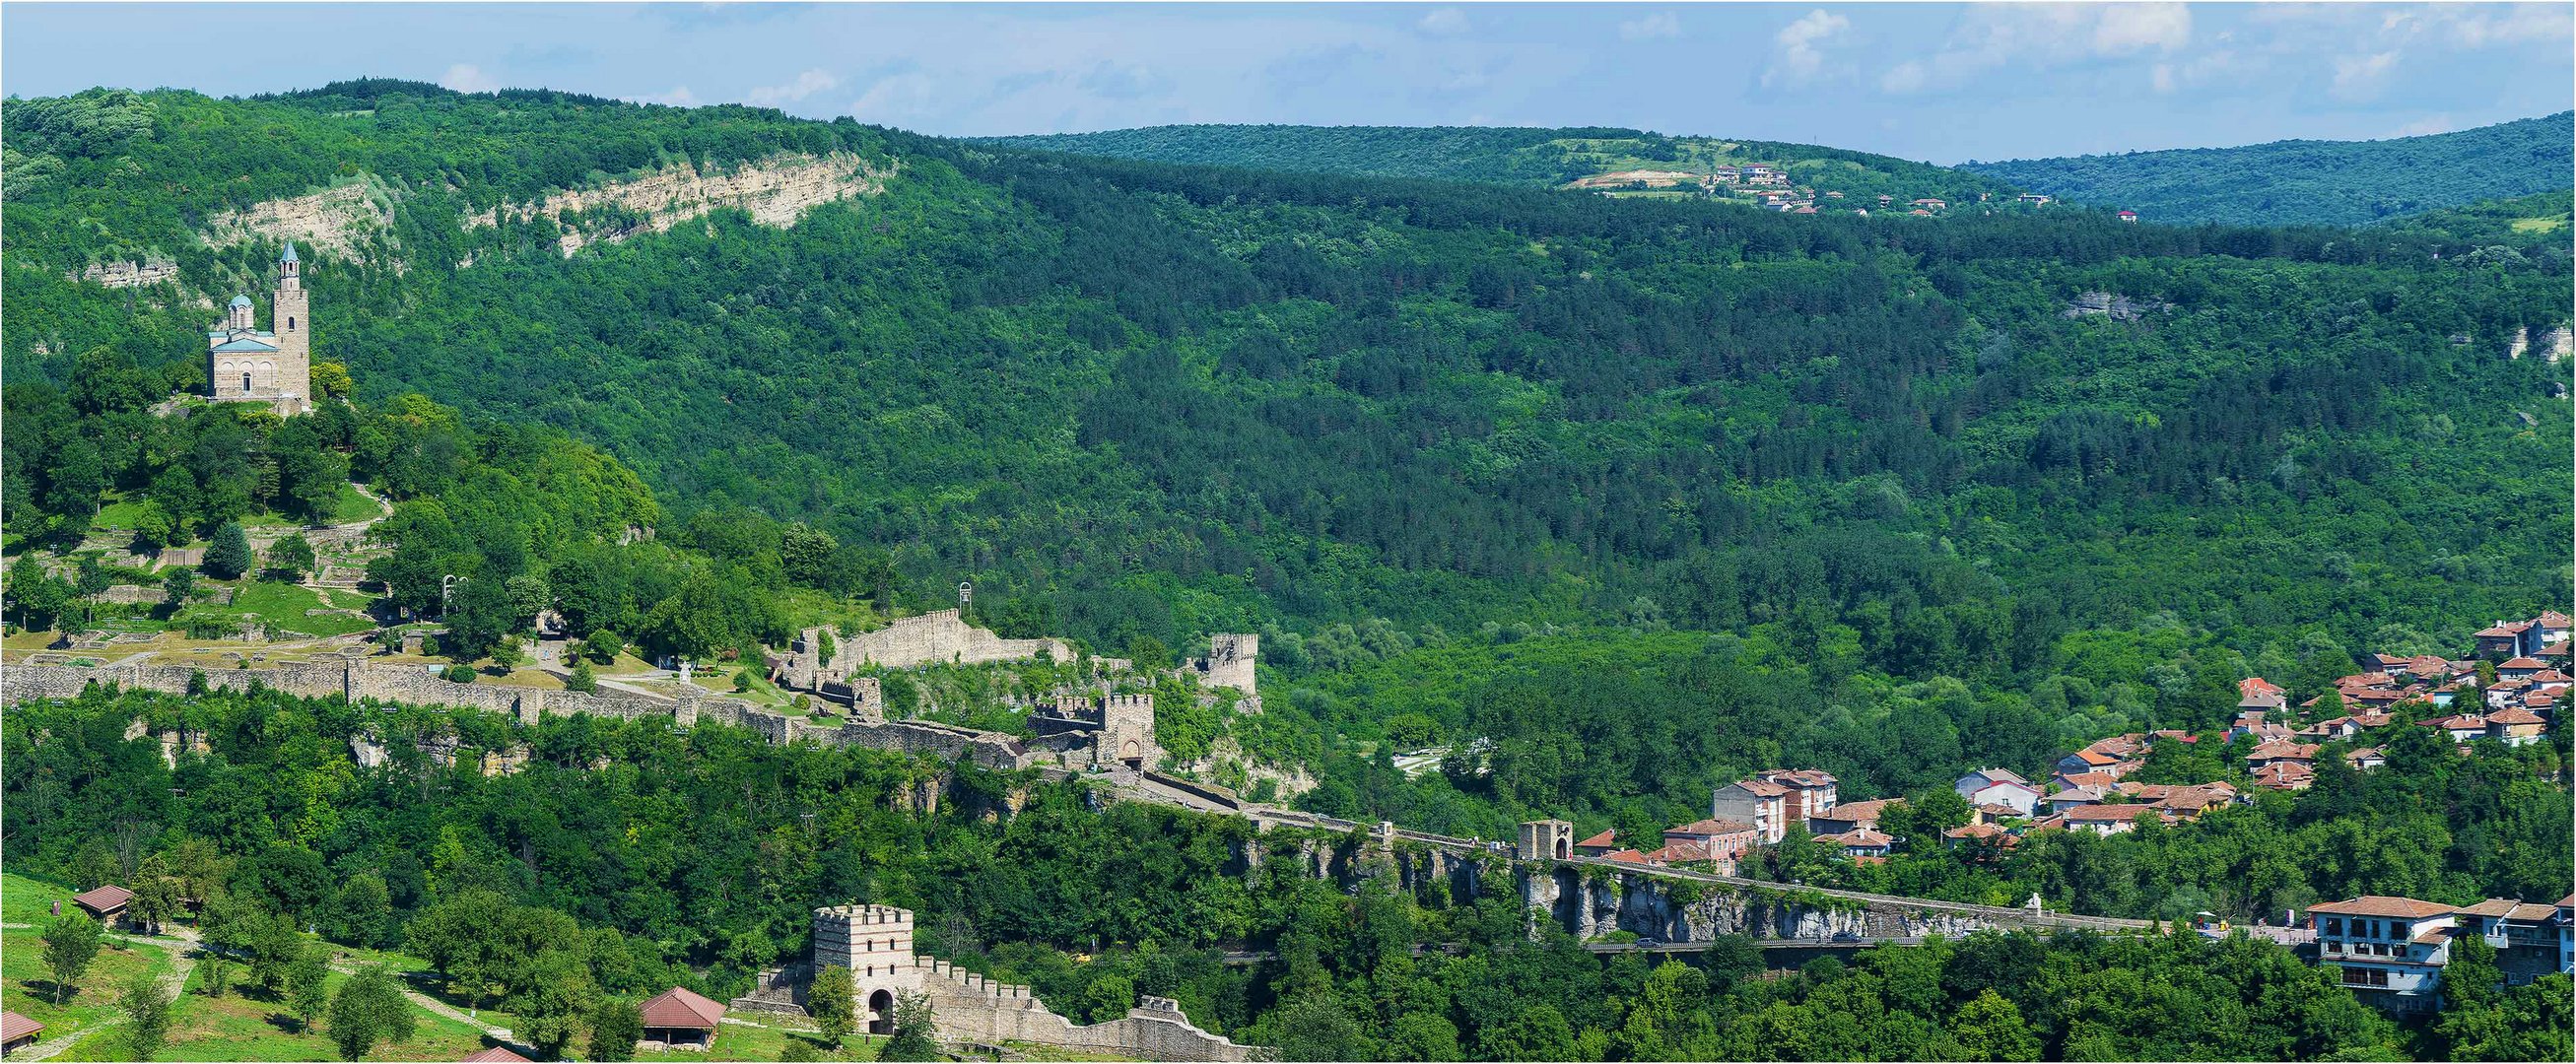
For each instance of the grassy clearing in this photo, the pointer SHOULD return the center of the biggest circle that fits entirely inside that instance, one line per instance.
(280, 606)
(237, 1026)
(738, 1041)
(27, 989)
(2538, 225)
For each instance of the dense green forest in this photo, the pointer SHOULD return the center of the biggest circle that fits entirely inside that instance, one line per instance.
(1512, 156)
(697, 858)
(2292, 182)
(1375, 418)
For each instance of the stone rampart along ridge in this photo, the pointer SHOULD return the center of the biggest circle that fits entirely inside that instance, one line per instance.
(357, 679)
(940, 637)
(776, 191)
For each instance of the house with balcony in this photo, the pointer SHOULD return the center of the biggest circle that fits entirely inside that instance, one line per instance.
(2390, 951)
(2526, 936)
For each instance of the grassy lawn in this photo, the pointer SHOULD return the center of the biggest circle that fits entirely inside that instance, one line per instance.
(735, 1041)
(281, 606)
(349, 508)
(240, 1027)
(26, 987)
(2537, 225)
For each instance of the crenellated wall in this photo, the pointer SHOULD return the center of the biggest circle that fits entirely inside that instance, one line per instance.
(357, 680)
(938, 637)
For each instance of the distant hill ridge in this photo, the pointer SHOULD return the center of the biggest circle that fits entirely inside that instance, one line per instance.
(1621, 161)
(2314, 181)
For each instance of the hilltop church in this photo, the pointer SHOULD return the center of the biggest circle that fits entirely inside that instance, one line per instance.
(254, 365)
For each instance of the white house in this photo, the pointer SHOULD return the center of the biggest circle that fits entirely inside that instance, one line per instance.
(1997, 786)
(2386, 946)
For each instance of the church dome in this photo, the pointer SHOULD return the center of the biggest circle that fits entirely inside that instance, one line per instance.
(241, 301)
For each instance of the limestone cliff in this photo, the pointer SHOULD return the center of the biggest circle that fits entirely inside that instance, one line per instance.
(776, 191)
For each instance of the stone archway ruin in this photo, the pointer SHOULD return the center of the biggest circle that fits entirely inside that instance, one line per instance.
(880, 1014)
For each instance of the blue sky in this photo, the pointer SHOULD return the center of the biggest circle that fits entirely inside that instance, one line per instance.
(1941, 82)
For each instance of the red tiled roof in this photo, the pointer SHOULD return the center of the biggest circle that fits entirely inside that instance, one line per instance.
(2256, 685)
(1972, 831)
(496, 1053)
(2110, 813)
(2382, 905)
(2515, 716)
(104, 898)
(682, 1008)
(1762, 788)
(1859, 837)
(2534, 664)
(14, 1027)
(1707, 827)
(1627, 857)
(1859, 812)
(2503, 629)
(1606, 838)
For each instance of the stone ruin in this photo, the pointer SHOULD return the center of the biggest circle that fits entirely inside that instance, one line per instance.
(875, 943)
(1100, 733)
(1229, 665)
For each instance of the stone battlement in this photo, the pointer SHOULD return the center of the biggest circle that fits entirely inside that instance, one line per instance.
(356, 679)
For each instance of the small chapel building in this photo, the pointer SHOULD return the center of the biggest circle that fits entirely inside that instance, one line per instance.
(248, 364)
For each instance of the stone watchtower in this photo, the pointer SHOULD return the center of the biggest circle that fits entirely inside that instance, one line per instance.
(1127, 732)
(875, 943)
(248, 364)
(1545, 840)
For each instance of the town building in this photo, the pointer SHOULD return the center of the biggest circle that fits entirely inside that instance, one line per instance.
(1597, 845)
(2390, 950)
(1720, 841)
(1758, 802)
(245, 363)
(1846, 816)
(1996, 786)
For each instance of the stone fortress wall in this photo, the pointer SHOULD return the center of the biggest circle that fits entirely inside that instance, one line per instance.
(875, 942)
(935, 638)
(356, 679)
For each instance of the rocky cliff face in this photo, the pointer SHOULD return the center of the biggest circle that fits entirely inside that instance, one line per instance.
(336, 221)
(775, 191)
(1593, 906)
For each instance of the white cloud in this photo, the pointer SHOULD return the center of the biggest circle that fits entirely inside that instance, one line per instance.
(1905, 77)
(2425, 126)
(1659, 24)
(894, 100)
(466, 77)
(2357, 77)
(2126, 28)
(1443, 22)
(1797, 52)
(679, 96)
(806, 84)
(2162, 78)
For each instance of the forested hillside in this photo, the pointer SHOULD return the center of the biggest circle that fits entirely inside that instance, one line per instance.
(2295, 182)
(1547, 158)
(628, 857)
(1390, 422)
